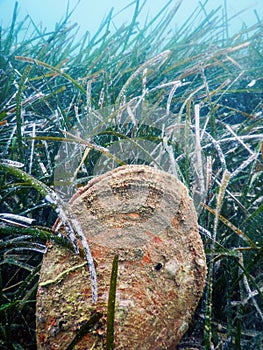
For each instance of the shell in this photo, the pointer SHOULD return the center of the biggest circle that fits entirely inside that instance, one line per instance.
(146, 217)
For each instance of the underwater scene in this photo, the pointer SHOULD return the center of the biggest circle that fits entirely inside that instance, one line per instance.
(131, 175)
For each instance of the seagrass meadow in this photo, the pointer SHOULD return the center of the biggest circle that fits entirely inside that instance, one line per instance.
(188, 101)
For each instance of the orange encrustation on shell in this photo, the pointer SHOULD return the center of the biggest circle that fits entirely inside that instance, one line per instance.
(146, 217)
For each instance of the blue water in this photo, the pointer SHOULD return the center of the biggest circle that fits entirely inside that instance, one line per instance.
(89, 14)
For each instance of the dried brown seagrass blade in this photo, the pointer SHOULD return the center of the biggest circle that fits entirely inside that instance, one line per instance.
(147, 218)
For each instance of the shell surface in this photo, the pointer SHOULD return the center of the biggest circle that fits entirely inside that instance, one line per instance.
(147, 218)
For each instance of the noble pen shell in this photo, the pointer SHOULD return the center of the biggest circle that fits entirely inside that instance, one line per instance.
(146, 217)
